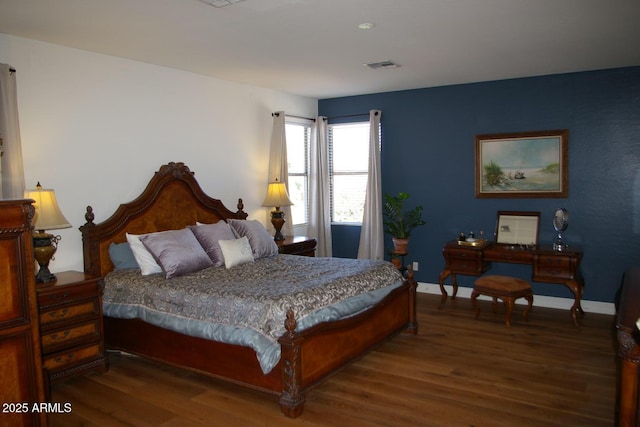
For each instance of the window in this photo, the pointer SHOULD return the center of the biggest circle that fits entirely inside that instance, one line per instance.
(348, 169)
(298, 140)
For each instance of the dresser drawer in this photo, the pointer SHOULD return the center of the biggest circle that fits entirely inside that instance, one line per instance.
(70, 312)
(554, 266)
(58, 296)
(83, 332)
(464, 266)
(466, 261)
(508, 253)
(463, 253)
(65, 358)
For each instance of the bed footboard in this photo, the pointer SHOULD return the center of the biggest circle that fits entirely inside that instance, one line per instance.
(315, 354)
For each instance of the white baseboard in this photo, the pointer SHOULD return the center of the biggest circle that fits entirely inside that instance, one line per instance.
(539, 300)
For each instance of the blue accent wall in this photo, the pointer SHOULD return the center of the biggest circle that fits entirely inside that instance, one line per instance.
(428, 151)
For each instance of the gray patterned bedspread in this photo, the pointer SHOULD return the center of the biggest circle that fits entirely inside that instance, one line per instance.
(246, 304)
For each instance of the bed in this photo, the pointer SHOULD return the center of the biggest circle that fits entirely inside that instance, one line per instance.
(173, 200)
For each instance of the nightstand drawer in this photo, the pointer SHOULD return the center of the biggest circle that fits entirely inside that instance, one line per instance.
(70, 312)
(75, 355)
(73, 334)
(57, 296)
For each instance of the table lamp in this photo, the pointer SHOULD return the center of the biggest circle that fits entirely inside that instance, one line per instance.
(47, 217)
(277, 196)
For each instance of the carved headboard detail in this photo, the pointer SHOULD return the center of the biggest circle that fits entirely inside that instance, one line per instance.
(172, 200)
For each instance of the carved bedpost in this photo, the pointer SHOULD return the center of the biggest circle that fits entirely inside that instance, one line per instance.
(89, 251)
(412, 327)
(292, 397)
(629, 353)
(89, 216)
(240, 207)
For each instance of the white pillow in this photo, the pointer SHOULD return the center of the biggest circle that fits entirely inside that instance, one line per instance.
(236, 251)
(145, 260)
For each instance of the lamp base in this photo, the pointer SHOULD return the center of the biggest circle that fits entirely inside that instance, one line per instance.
(277, 219)
(44, 247)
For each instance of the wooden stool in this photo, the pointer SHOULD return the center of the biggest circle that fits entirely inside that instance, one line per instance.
(508, 289)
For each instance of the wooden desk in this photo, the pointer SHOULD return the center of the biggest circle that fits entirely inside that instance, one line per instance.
(549, 266)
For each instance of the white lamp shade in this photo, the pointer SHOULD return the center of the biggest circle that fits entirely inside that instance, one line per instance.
(48, 214)
(277, 195)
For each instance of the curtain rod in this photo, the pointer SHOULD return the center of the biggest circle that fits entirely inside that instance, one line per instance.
(295, 117)
(351, 115)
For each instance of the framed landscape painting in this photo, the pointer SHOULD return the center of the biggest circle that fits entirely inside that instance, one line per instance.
(523, 165)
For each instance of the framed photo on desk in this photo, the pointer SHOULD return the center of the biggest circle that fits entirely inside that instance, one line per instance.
(517, 228)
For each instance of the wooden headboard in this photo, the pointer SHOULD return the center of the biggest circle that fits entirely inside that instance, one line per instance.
(172, 200)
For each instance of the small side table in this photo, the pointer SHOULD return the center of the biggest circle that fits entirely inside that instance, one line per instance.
(298, 245)
(71, 330)
(400, 257)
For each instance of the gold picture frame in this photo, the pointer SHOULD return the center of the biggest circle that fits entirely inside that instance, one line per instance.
(522, 165)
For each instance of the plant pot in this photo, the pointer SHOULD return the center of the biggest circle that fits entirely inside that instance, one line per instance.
(400, 245)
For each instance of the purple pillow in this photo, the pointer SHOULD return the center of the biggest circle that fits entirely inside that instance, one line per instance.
(261, 241)
(209, 235)
(177, 251)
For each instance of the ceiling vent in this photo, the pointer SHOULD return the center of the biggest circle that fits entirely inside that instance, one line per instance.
(220, 3)
(382, 64)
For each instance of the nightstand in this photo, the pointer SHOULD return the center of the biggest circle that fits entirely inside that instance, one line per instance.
(71, 328)
(298, 245)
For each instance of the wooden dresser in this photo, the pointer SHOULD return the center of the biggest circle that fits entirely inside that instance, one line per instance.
(71, 325)
(20, 358)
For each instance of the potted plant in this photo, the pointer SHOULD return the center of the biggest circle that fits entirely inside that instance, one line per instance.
(398, 222)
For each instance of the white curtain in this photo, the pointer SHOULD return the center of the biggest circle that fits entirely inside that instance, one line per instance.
(278, 166)
(371, 234)
(319, 189)
(11, 168)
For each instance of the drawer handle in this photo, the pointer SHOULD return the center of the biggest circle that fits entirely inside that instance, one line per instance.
(60, 297)
(59, 314)
(62, 336)
(64, 359)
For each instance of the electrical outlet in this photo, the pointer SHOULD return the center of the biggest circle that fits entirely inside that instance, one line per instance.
(415, 266)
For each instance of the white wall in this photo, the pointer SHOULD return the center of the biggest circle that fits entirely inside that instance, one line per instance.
(95, 128)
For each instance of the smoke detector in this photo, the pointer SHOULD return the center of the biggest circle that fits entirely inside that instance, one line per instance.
(382, 64)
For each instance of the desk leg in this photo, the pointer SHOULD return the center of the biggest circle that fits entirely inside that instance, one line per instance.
(443, 275)
(576, 287)
(454, 283)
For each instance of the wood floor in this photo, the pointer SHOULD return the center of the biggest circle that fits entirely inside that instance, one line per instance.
(457, 372)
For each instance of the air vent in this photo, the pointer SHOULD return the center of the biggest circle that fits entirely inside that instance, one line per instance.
(220, 3)
(382, 64)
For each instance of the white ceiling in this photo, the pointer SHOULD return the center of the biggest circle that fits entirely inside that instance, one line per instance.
(314, 47)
